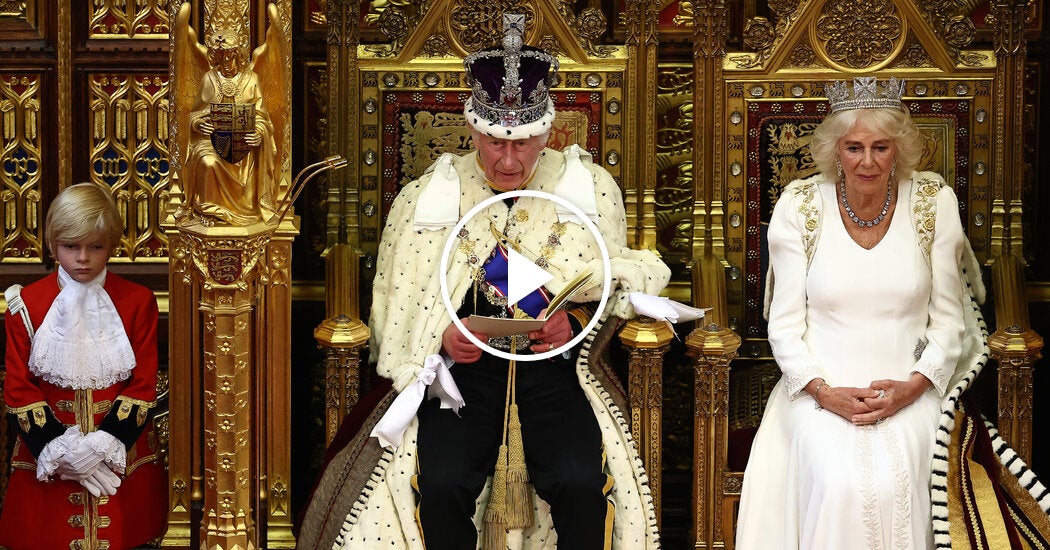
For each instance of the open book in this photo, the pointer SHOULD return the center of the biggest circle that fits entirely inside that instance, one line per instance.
(496, 327)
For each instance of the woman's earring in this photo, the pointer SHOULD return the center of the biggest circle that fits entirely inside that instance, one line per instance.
(838, 168)
(893, 170)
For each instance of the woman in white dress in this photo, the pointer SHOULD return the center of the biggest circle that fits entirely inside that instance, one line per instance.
(866, 322)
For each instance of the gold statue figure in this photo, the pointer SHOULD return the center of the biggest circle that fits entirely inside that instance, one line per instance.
(231, 118)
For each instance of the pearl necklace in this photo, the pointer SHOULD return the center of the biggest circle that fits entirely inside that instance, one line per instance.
(849, 211)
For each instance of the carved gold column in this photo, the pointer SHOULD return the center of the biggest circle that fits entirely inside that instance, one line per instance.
(1008, 18)
(343, 256)
(272, 381)
(224, 259)
(226, 315)
(640, 169)
(713, 347)
(64, 75)
(342, 339)
(710, 23)
(230, 277)
(1016, 347)
(185, 476)
(342, 335)
(237, 277)
(648, 341)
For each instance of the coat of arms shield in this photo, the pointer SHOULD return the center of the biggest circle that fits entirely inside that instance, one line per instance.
(232, 122)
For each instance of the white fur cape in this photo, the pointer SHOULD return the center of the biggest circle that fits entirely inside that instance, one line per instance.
(408, 318)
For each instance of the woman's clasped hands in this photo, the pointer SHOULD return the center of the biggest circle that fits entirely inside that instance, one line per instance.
(866, 406)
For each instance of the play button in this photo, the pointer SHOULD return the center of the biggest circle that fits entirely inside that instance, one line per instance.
(523, 276)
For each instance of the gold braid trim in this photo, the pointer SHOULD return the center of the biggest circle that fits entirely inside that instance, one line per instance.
(26, 408)
(134, 461)
(583, 314)
(124, 405)
(99, 407)
(35, 410)
(811, 216)
(925, 207)
(610, 509)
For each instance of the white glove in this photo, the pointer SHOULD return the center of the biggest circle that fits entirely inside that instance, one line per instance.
(109, 448)
(99, 481)
(47, 464)
(106, 480)
(78, 462)
(90, 485)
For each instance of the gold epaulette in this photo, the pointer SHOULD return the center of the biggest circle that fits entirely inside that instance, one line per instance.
(125, 404)
(36, 411)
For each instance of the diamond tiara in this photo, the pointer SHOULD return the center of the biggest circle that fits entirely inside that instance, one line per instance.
(865, 93)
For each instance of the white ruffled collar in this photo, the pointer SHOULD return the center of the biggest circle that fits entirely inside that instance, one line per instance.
(81, 344)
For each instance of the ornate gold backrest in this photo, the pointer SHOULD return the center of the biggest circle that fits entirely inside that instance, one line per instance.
(422, 117)
(398, 92)
(772, 122)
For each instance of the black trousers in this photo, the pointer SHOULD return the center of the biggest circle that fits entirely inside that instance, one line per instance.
(562, 444)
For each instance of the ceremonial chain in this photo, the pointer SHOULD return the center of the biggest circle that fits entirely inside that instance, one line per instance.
(849, 211)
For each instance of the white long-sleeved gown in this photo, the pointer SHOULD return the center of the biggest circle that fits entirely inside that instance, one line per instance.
(814, 480)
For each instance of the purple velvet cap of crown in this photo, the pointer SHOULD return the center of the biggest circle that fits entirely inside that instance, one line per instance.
(518, 114)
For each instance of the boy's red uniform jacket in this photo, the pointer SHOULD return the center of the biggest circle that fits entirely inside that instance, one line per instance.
(62, 514)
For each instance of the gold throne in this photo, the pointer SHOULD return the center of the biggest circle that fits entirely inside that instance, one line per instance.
(762, 103)
(396, 104)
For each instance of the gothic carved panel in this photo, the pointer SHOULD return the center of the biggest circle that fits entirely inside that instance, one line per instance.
(313, 132)
(857, 36)
(20, 162)
(143, 19)
(22, 20)
(129, 154)
(14, 8)
(314, 15)
(674, 163)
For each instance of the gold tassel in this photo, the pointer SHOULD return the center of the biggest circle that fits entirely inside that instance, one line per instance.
(519, 492)
(496, 510)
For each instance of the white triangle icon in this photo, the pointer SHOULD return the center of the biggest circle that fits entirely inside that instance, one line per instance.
(523, 276)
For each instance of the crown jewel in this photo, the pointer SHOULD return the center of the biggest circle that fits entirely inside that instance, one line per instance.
(865, 93)
(510, 84)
